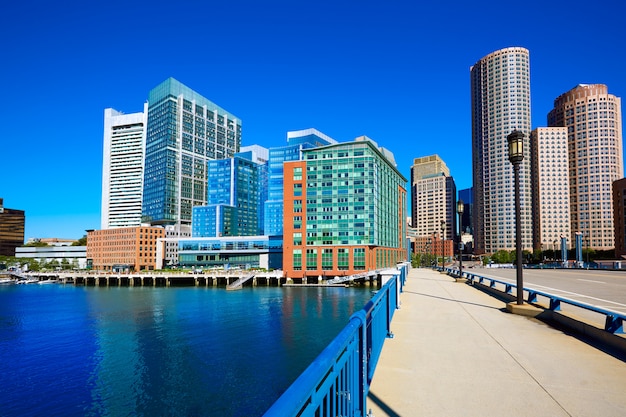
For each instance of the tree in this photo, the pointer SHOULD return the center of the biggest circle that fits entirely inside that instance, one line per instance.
(36, 243)
(81, 242)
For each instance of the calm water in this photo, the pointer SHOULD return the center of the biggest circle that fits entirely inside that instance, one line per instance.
(74, 351)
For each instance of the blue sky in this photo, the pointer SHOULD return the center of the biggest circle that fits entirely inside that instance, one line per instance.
(396, 71)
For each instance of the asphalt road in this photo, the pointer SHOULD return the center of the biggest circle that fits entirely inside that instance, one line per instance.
(601, 288)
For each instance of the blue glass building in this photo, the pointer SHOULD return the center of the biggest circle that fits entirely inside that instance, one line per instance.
(184, 132)
(296, 142)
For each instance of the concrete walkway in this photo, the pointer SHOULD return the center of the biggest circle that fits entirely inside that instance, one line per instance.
(457, 352)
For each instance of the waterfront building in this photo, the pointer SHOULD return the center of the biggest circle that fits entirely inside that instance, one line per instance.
(184, 132)
(433, 198)
(344, 211)
(500, 96)
(593, 119)
(122, 168)
(125, 249)
(245, 252)
(66, 256)
(550, 184)
(11, 229)
(297, 141)
(619, 217)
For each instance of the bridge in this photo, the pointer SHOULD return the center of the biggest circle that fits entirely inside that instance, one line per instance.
(457, 351)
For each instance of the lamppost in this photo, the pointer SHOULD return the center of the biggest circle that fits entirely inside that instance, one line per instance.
(516, 156)
(443, 239)
(459, 209)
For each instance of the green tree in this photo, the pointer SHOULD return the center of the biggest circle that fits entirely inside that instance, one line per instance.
(81, 242)
(501, 257)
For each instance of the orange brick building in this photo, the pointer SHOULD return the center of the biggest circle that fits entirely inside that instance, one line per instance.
(124, 249)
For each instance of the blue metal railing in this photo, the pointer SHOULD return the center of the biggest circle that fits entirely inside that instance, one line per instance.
(338, 380)
(614, 322)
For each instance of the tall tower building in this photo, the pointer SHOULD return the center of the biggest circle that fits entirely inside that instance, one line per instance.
(550, 179)
(500, 91)
(122, 168)
(619, 217)
(184, 132)
(593, 119)
(345, 211)
(433, 197)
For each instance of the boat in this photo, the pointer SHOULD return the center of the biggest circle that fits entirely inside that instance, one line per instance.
(47, 281)
(4, 281)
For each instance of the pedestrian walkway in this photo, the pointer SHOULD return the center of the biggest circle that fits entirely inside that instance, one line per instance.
(457, 352)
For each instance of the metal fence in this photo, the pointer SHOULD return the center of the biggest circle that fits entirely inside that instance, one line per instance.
(336, 384)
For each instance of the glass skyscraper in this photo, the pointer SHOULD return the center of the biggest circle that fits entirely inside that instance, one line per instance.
(184, 132)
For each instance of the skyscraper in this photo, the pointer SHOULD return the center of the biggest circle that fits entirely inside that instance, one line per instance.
(593, 119)
(122, 168)
(550, 178)
(433, 197)
(500, 91)
(619, 217)
(184, 132)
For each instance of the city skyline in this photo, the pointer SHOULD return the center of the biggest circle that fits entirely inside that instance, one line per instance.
(399, 75)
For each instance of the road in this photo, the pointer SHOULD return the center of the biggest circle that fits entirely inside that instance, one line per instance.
(603, 289)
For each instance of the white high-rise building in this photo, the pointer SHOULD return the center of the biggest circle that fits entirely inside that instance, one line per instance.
(551, 199)
(122, 168)
(500, 91)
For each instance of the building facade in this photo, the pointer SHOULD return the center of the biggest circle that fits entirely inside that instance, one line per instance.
(500, 96)
(122, 168)
(550, 183)
(619, 217)
(593, 119)
(126, 249)
(297, 141)
(66, 256)
(433, 197)
(243, 252)
(11, 229)
(184, 132)
(344, 211)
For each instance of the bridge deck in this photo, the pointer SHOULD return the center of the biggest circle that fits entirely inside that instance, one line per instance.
(456, 352)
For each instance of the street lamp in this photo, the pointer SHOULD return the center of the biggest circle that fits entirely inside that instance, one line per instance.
(516, 155)
(443, 250)
(459, 209)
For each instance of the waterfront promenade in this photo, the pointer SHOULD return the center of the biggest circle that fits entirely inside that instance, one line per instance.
(457, 352)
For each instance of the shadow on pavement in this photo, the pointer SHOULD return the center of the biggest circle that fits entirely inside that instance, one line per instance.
(383, 406)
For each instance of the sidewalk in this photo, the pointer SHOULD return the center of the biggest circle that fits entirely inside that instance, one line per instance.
(457, 352)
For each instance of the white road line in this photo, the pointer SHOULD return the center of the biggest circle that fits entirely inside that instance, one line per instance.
(590, 280)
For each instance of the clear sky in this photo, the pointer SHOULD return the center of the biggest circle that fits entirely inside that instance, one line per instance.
(395, 71)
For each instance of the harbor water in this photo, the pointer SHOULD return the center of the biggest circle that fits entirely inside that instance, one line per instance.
(142, 351)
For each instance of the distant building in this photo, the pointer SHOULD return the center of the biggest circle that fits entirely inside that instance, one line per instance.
(70, 257)
(11, 229)
(344, 211)
(500, 94)
(122, 168)
(52, 241)
(184, 132)
(467, 196)
(433, 197)
(126, 249)
(593, 119)
(551, 185)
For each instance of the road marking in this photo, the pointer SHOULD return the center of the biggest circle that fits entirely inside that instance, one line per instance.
(590, 280)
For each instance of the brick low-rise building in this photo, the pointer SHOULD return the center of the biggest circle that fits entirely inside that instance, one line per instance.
(124, 249)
